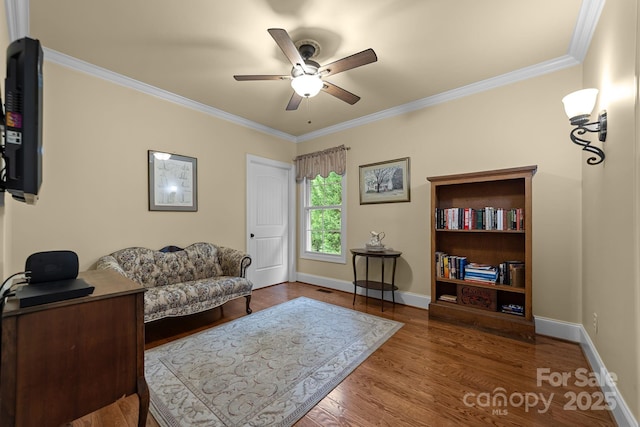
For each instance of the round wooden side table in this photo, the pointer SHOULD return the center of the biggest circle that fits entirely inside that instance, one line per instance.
(380, 285)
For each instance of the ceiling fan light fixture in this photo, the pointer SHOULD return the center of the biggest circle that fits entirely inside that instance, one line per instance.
(307, 85)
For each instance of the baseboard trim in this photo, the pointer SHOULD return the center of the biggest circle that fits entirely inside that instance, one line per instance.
(576, 332)
(405, 298)
(568, 331)
(558, 329)
(621, 412)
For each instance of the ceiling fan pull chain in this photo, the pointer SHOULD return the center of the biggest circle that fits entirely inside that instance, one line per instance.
(308, 110)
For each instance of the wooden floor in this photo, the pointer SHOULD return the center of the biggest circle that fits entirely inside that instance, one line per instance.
(429, 373)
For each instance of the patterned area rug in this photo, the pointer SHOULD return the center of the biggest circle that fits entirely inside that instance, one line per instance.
(266, 369)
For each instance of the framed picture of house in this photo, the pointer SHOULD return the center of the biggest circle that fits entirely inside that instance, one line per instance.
(385, 182)
(173, 182)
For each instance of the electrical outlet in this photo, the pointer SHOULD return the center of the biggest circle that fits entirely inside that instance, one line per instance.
(595, 322)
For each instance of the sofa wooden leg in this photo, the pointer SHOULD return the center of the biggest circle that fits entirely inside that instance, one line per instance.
(248, 297)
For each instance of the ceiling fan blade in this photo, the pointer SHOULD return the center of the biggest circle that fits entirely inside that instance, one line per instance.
(294, 102)
(287, 46)
(356, 60)
(260, 77)
(340, 93)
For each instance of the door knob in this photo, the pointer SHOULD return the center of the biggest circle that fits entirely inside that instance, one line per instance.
(253, 235)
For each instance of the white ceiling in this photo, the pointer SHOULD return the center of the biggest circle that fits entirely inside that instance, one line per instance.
(428, 51)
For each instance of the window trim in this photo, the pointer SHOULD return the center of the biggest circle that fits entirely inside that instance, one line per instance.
(304, 253)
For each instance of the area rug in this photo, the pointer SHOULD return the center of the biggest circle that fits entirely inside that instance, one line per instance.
(265, 369)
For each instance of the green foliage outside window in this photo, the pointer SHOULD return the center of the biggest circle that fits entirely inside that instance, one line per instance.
(325, 220)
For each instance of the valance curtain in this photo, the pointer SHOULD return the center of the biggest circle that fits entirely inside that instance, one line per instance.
(321, 163)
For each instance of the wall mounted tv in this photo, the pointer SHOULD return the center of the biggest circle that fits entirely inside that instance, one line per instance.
(22, 145)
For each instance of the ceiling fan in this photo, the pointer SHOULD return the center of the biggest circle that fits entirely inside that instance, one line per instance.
(307, 75)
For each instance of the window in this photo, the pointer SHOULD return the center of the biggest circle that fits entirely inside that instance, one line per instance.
(323, 213)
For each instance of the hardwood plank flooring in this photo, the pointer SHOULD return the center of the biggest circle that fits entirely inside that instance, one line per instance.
(430, 373)
(121, 413)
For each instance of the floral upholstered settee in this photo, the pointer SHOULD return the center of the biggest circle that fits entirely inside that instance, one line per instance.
(186, 281)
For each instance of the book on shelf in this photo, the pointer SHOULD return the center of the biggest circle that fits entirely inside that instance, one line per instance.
(511, 273)
(516, 275)
(487, 218)
(448, 298)
(480, 279)
(483, 273)
(479, 266)
(445, 269)
(512, 309)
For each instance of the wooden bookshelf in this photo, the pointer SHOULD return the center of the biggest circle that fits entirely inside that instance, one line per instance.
(505, 189)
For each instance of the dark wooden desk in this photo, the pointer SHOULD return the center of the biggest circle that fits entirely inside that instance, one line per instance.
(381, 285)
(66, 359)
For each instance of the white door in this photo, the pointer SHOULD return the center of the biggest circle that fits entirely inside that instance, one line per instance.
(270, 203)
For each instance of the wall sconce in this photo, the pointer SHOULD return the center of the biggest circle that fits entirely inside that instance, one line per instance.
(578, 106)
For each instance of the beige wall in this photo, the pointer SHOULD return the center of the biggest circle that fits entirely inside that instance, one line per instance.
(94, 195)
(94, 199)
(517, 125)
(610, 201)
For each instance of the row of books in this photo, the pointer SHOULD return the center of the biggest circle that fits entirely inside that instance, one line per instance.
(482, 273)
(450, 266)
(509, 273)
(516, 309)
(488, 218)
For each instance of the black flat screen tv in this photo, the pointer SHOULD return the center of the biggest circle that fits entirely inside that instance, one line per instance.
(22, 151)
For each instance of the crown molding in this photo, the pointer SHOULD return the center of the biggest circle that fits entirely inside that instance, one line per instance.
(93, 70)
(484, 85)
(17, 12)
(585, 27)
